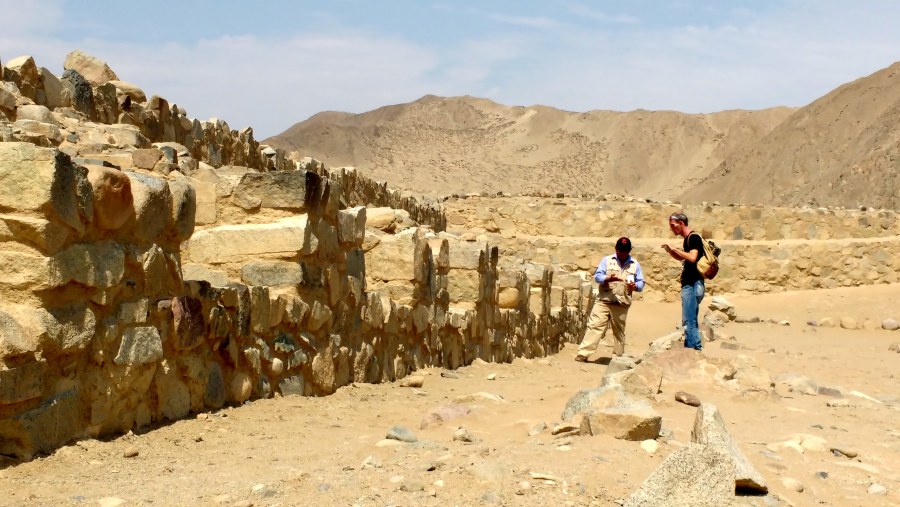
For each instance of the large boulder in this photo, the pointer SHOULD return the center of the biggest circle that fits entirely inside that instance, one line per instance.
(709, 430)
(95, 70)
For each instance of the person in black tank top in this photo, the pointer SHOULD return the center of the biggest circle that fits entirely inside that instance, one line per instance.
(692, 286)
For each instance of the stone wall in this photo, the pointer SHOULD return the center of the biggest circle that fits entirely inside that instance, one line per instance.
(121, 307)
(578, 217)
(765, 249)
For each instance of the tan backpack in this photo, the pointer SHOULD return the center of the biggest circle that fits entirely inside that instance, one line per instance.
(708, 264)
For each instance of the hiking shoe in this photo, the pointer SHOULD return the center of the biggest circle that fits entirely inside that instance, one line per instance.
(581, 359)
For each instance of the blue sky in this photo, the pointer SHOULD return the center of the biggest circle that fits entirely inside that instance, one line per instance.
(269, 64)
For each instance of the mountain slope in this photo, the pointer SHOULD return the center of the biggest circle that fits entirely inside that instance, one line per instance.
(843, 149)
(463, 144)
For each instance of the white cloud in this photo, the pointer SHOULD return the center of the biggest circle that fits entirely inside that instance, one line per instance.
(788, 55)
(527, 21)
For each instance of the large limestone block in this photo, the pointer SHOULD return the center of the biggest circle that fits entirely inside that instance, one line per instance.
(693, 476)
(215, 277)
(124, 135)
(205, 194)
(24, 73)
(229, 243)
(184, 207)
(381, 218)
(42, 429)
(124, 88)
(45, 181)
(36, 113)
(595, 398)
(53, 89)
(46, 236)
(276, 189)
(25, 330)
(22, 383)
(113, 201)
(393, 258)
(465, 254)
(140, 345)
(173, 394)
(40, 130)
(100, 264)
(352, 225)
(24, 270)
(710, 430)
(146, 158)
(271, 273)
(8, 95)
(152, 203)
(324, 372)
(634, 420)
(95, 70)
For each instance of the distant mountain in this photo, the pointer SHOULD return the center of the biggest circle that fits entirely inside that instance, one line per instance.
(843, 149)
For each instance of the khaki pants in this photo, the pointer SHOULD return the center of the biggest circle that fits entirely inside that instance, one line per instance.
(603, 316)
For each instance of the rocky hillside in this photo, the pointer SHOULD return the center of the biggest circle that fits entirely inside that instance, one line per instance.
(463, 144)
(840, 150)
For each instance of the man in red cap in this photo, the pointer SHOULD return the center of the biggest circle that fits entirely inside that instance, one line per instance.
(618, 276)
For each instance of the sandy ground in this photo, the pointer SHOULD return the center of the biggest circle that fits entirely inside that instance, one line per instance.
(331, 451)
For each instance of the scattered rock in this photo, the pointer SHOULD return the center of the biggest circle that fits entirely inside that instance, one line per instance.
(687, 399)
(829, 391)
(849, 323)
(876, 489)
(463, 435)
(843, 452)
(130, 453)
(822, 475)
(691, 476)
(412, 381)
(444, 413)
(792, 484)
(449, 374)
(651, 446)
(537, 429)
(720, 304)
(890, 324)
(565, 428)
(628, 420)
(489, 497)
(402, 434)
(894, 347)
(492, 376)
(710, 430)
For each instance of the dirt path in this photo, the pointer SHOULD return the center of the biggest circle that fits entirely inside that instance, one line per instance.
(331, 451)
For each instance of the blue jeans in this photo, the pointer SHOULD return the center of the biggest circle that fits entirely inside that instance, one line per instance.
(691, 296)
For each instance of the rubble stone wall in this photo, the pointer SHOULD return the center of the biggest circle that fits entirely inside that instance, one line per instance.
(121, 308)
(765, 249)
(577, 217)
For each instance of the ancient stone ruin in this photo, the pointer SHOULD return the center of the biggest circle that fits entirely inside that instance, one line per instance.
(156, 265)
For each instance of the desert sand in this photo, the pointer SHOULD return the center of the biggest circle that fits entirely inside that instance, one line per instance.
(333, 450)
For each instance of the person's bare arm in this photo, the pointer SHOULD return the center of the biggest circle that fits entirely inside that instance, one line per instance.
(681, 255)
